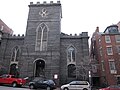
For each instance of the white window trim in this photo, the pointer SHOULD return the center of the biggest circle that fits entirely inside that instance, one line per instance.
(102, 65)
(112, 71)
(40, 48)
(111, 60)
(117, 49)
(71, 61)
(100, 51)
(106, 39)
(15, 52)
(116, 36)
(111, 52)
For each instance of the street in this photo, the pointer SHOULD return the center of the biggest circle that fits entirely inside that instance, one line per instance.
(11, 88)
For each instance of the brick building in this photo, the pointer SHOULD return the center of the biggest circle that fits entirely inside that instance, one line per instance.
(45, 51)
(4, 28)
(105, 56)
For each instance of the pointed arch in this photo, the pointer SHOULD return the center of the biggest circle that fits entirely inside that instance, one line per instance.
(71, 71)
(39, 67)
(71, 51)
(41, 37)
(39, 59)
(15, 54)
(14, 70)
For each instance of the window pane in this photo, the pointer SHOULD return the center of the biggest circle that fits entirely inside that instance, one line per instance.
(15, 54)
(71, 54)
(44, 46)
(102, 65)
(107, 39)
(109, 51)
(118, 49)
(112, 67)
(117, 37)
(41, 38)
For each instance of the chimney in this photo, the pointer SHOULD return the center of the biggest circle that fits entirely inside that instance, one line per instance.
(97, 29)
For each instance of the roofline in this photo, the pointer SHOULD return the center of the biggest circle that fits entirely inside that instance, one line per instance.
(110, 26)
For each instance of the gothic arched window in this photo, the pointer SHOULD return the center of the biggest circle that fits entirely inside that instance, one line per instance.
(71, 54)
(15, 53)
(41, 37)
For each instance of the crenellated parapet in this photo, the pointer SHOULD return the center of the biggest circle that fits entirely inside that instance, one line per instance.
(83, 34)
(45, 3)
(17, 36)
(14, 36)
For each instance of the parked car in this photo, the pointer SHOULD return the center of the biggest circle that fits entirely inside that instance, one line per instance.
(76, 85)
(112, 87)
(11, 80)
(44, 84)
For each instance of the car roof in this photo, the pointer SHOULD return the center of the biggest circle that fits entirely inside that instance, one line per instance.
(84, 82)
(79, 81)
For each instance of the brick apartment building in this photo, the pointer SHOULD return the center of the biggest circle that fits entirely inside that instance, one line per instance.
(4, 29)
(105, 56)
(45, 51)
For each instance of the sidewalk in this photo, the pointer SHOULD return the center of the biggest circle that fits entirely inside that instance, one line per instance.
(57, 89)
(26, 86)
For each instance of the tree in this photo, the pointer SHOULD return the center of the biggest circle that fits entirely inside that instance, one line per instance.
(83, 69)
(3, 70)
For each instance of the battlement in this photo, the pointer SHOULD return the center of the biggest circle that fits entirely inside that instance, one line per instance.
(45, 3)
(16, 36)
(10, 36)
(83, 34)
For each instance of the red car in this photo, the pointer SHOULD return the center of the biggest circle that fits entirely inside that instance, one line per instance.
(112, 87)
(11, 80)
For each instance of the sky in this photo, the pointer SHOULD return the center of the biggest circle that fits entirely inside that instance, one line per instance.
(78, 15)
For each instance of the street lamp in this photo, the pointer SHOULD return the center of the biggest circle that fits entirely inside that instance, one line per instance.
(90, 77)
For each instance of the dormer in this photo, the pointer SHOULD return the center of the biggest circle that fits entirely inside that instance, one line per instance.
(113, 29)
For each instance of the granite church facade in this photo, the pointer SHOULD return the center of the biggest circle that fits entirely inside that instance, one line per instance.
(44, 51)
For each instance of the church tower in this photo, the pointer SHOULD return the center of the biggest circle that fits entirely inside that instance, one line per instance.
(42, 42)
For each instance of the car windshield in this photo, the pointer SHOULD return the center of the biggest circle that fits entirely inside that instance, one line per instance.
(49, 82)
(73, 82)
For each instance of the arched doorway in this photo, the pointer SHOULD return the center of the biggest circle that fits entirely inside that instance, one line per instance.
(39, 69)
(71, 71)
(14, 70)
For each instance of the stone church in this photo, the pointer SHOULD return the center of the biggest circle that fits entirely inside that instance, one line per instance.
(45, 51)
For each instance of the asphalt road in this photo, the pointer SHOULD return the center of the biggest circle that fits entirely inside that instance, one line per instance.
(11, 88)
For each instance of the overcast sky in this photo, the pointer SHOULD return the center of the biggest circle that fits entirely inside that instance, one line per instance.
(78, 15)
